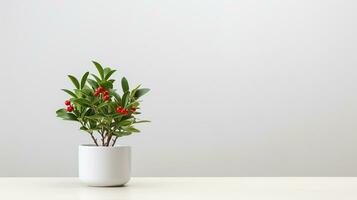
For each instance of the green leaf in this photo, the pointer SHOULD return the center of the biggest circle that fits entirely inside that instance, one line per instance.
(107, 76)
(125, 99)
(93, 124)
(86, 112)
(97, 78)
(141, 121)
(94, 117)
(78, 92)
(102, 105)
(118, 133)
(67, 116)
(70, 117)
(93, 83)
(84, 128)
(134, 91)
(125, 117)
(61, 111)
(141, 92)
(127, 133)
(70, 93)
(113, 105)
(116, 95)
(106, 71)
(100, 69)
(107, 85)
(77, 113)
(124, 84)
(125, 123)
(84, 79)
(118, 117)
(87, 91)
(122, 133)
(134, 103)
(74, 81)
(131, 129)
(82, 102)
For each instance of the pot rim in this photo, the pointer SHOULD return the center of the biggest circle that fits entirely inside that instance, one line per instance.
(103, 147)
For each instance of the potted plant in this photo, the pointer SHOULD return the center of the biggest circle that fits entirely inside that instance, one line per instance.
(105, 114)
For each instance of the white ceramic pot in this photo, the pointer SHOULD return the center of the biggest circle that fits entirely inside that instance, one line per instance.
(104, 166)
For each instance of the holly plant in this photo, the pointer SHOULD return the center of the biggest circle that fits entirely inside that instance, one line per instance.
(103, 112)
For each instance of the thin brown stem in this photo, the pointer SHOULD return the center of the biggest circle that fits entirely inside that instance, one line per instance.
(102, 137)
(95, 140)
(109, 138)
(91, 133)
(114, 140)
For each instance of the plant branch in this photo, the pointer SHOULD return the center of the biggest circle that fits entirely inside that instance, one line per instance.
(109, 138)
(91, 133)
(114, 140)
(94, 139)
(102, 135)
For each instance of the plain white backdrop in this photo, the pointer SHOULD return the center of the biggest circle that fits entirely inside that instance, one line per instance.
(239, 88)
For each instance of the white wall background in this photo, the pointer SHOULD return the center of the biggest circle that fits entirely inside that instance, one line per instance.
(239, 88)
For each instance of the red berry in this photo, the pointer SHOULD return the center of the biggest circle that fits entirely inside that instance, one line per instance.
(119, 109)
(67, 103)
(106, 93)
(70, 108)
(125, 112)
(96, 93)
(122, 110)
(106, 98)
(100, 89)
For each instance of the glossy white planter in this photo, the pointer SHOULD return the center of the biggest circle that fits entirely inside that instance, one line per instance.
(104, 166)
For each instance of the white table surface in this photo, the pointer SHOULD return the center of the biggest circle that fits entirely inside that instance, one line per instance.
(183, 188)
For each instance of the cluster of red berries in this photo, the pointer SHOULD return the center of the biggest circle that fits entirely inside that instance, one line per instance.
(70, 108)
(99, 90)
(124, 111)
